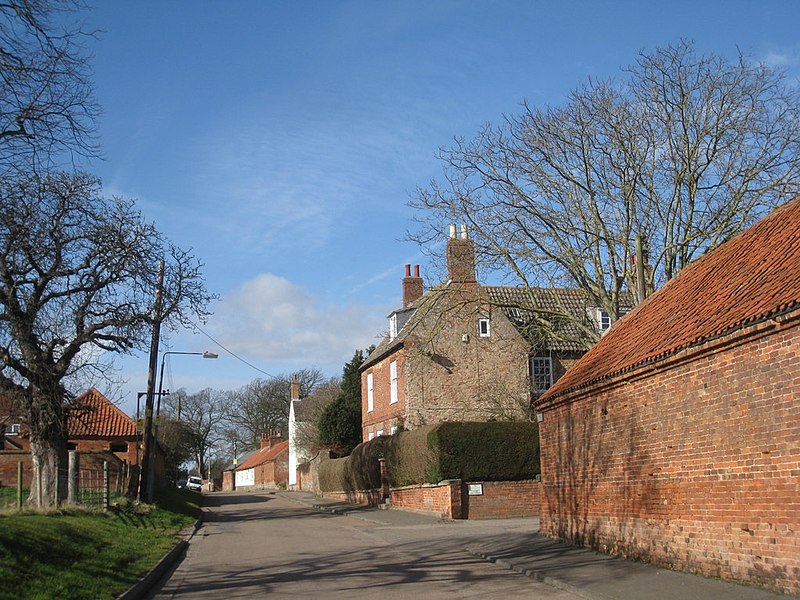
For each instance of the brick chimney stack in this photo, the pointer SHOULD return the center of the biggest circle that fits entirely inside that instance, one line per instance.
(295, 388)
(412, 286)
(460, 257)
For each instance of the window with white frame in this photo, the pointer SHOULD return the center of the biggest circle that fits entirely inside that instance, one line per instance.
(370, 393)
(371, 435)
(484, 327)
(393, 326)
(541, 373)
(393, 382)
(393, 429)
(13, 429)
(380, 433)
(603, 320)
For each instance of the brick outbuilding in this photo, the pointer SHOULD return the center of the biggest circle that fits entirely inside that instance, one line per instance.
(676, 439)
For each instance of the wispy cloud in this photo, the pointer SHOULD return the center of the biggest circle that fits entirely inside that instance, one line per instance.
(269, 317)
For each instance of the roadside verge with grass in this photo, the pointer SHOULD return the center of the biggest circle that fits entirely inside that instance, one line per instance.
(78, 554)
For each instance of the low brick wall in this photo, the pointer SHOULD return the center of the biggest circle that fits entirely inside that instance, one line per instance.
(502, 500)
(443, 499)
(451, 499)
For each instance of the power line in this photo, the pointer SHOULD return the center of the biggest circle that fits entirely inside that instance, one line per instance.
(236, 356)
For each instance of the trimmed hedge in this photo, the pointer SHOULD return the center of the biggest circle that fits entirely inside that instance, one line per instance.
(496, 451)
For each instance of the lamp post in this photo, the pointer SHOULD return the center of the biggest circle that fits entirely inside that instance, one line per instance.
(205, 354)
(151, 471)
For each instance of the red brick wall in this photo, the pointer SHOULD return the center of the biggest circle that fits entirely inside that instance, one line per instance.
(503, 500)
(384, 415)
(449, 499)
(8, 468)
(443, 499)
(694, 466)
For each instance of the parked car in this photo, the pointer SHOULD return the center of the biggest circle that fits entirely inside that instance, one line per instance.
(194, 483)
(181, 484)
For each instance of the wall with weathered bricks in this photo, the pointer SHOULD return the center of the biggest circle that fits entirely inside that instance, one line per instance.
(694, 465)
(384, 414)
(450, 499)
(442, 499)
(502, 500)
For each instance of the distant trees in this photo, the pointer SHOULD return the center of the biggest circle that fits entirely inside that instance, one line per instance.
(263, 405)
(340, 422)
(202, 417)
(685, 151)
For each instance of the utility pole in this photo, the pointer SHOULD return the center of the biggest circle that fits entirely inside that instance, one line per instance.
(145, 490)
(641, 288)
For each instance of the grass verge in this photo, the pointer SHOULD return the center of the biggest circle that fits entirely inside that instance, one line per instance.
(75, 553)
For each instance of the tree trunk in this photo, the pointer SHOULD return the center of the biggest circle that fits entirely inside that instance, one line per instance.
(49, 479)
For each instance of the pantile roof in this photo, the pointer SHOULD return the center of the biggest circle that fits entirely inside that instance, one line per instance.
(93, 415)
(753, 277)
(263, 455)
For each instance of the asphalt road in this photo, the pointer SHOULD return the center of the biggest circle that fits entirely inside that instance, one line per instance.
(254, 545)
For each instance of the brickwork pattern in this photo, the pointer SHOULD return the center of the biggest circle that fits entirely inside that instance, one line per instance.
(443, 499)
(503, 500)
(384, 414)
(694, 467)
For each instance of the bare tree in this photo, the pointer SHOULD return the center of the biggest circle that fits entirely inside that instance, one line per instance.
(263, 405)
(77, 278)
(685, 152)
(46, 97)
(203, 418)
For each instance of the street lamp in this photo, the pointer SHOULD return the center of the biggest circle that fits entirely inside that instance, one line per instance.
(150, 474)
(205, 354)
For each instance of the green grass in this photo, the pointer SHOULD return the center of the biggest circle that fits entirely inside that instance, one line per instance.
(8, 496)
(82, 554)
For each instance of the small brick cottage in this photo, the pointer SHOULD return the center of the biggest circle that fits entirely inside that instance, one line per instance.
(676, 439)
(95, 427)
(469, 352)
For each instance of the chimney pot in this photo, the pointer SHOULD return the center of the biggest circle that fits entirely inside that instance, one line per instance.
(452, 231)
(412, 286)
(463, 231)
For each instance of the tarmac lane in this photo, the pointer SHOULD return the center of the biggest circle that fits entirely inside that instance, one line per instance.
(262, 544)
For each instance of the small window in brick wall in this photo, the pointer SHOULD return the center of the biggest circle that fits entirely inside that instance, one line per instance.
(484, 328)
(119, 447)
(541, 373)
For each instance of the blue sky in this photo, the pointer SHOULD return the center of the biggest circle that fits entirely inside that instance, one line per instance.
(282, 140)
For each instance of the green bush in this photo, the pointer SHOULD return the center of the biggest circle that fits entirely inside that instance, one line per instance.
(496, 451)
(409, 458)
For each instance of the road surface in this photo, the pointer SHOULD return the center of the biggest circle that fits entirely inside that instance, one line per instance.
(261, 544)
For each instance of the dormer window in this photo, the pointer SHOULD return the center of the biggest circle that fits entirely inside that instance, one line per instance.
(393, 326)
(13, 429)
(603, 320)
(484, 327)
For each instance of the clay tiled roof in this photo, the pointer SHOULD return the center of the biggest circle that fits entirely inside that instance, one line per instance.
(93, 415)
(751, 278)
(520, 304)
(263, 455)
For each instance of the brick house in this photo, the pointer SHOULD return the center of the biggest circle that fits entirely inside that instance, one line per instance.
(267, 467)
(676, 439)
(463, 351)
(94, 426)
